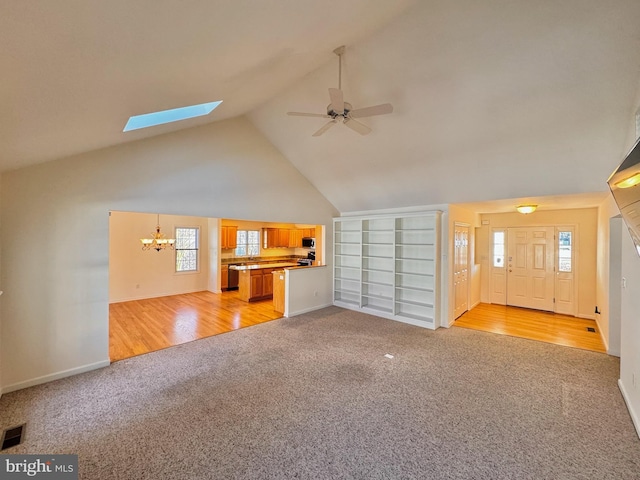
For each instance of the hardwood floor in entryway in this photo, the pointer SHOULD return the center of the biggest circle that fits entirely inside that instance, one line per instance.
(534, 325)
(143, 326)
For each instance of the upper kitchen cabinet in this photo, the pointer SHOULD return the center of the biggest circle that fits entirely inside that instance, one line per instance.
(228, 237)
(295, 238)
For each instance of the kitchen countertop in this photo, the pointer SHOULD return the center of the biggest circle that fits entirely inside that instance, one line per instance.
(257, 266)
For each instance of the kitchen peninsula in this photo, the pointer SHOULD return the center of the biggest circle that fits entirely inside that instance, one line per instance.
(256, 281)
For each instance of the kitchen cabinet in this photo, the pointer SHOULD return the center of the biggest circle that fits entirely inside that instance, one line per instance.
(277, 237)
(228, 237)
(283, 237)
(270, 237)
(256, 284)
(224, 277)
(295, 238)
(309, 232)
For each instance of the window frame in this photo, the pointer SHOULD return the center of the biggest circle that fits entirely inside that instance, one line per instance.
(196, 249)
(493, 247)
(246, 244)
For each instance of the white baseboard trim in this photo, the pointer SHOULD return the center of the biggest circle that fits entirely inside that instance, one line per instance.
(307, 310)
(632, 413)
(55, 376)
(475, 305)
(605, 341)
(159, 295)
(586, 317)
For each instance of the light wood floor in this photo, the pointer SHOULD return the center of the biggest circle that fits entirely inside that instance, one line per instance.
(534, 325)
(143, 326)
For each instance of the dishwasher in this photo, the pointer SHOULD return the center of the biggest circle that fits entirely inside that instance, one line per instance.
(233, 278)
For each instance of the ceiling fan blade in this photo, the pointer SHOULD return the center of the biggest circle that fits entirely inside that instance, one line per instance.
(324, 128)
(337, 100)
(355, 125)
(371, 111)
(300, 114)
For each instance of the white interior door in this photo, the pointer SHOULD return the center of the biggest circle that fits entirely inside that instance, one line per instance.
(461, 269)
(530, 267)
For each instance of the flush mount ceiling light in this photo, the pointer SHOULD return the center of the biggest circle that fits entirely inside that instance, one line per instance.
(158, 241)
(526, 208)
(168, 116)
(629, 181)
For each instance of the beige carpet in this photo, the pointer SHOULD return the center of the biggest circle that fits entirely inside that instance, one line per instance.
(314, 397)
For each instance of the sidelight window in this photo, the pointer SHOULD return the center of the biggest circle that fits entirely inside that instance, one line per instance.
(498, 249)
(564, 251)
(187, 249)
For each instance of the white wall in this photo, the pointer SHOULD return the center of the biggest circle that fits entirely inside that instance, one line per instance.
(307, 289)
(55, 235)
(135, 273)
(630, 335)
(610, 333)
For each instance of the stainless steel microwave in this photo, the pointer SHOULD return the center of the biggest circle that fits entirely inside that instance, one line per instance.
(309, 242)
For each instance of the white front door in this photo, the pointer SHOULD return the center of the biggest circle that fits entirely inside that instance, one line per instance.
(461, 269)
(530, 267)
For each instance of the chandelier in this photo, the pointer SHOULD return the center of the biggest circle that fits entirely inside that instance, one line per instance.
(158, 241)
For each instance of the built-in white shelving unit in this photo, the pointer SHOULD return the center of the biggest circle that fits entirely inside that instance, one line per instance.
(388, 266)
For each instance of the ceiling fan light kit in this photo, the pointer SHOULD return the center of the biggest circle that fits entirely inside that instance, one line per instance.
(340, 111)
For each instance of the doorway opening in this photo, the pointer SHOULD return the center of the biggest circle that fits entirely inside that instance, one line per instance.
(158, 299)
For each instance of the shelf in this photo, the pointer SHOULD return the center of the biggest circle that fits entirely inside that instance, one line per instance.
(425, 229)
(416, 317)
(378, 308)
(379, 297)
(397, 264)
(347, 302)
(382, 284)
(348, 292)
(417, 304)
(415, 274)
(415, 289)
(376, 270)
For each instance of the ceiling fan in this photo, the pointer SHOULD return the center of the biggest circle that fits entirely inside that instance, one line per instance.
(339, 110)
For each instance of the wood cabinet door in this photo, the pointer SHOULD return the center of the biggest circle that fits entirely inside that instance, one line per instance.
(295, 238)
(224, 277)
(272, 237)
(232, 236)
(256, 286)
(267, 282)
(224, 232)
(283, 237)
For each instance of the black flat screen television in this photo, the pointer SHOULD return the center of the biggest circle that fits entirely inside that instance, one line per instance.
(625, 188)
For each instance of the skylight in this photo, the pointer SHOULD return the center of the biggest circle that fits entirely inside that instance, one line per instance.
(168, 116)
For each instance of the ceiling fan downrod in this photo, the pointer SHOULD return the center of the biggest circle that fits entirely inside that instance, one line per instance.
(339, 52)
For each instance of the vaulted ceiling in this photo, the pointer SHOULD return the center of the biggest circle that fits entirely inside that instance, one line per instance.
(492, 100)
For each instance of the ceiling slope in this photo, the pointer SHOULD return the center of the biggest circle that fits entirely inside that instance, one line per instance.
(74, 71)
(492, 100)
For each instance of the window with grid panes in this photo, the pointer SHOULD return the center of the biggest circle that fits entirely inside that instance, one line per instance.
(248, 243)
(187, 240)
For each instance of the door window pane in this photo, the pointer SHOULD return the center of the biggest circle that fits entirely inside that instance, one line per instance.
(564, 251)
(498, 249)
